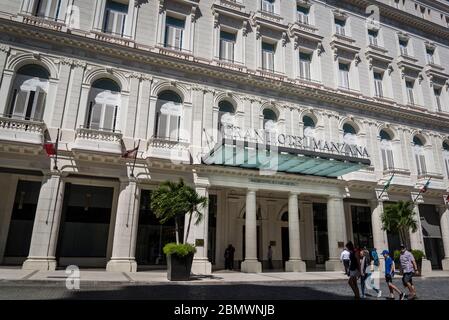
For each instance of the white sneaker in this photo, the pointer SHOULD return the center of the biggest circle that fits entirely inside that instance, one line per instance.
(379, 294)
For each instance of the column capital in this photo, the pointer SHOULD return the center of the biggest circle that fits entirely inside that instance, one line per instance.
(334, 198)
(293, 193)
(251, 190)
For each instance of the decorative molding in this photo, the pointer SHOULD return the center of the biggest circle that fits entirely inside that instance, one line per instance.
(4, 48)
(139, 76)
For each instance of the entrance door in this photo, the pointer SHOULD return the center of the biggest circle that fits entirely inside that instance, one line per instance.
(433, 242)
(285, 245)
(83, 236)
(361, 226)
(320, 231)
(152, 236)
(22, 221)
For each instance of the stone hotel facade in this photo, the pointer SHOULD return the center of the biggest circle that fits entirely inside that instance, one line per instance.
(290, 115)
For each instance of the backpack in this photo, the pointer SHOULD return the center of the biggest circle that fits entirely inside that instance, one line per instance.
(375, 258)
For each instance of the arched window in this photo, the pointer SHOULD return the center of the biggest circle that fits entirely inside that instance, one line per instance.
(347, 128)
(417, 141)
(168, 116)
(225, 113)
(269, 119)
(29, 92)
(284, 216)
(420, 157)
(386, 150)
(104, 101)
(446, 145)
(309, 125)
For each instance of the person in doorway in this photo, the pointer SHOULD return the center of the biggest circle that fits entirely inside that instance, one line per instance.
(229, 257)
(389, 275)
(270, 257)
(354, 269)
(409, 269)
(367, 269)
(344, 258)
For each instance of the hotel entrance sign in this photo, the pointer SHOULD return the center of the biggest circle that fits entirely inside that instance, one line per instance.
(270, 152)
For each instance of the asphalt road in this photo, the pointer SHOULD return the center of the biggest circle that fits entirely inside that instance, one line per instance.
(428, 289)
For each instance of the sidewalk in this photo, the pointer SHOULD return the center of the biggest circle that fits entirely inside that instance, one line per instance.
(148, 277)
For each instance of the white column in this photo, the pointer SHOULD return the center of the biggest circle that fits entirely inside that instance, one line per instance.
(251, 264)
(380, 239)
(417, 241)
(5, 90)
(125, 231)
(46, 224)
(198, 234)
(336, 232)
(4, 52)
(294, 264)
(444, 223)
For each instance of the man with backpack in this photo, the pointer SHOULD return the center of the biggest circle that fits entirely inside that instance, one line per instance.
(389, 274)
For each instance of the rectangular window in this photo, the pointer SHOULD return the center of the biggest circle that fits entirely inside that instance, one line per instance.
(378, 87)
(410, 94)
(437, 93)
(268, 6)
(343, 75)
(115, 18)
(268, 51)
(372, 36)
(48, 9)
(174, 29)
(303, 14)
(403, 44)
(340, 26)
(430, 55)
(227, 45)
(305, 60)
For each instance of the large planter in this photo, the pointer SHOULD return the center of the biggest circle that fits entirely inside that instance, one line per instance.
(179, 267)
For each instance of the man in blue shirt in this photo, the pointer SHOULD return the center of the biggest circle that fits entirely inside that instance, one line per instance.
(389, 274)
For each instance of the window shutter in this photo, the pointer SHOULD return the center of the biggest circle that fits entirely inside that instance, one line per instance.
(384, 159)
(20, 103)
(178, 38)
(39, 105)
(418, 165)
(390, 159)
(108, 118)
(422, 159)
(162, 125)
(230, 51)
(95, 118)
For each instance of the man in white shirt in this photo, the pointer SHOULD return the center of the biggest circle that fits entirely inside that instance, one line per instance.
(344, 258)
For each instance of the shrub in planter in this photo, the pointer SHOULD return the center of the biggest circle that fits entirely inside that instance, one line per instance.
(179, 260)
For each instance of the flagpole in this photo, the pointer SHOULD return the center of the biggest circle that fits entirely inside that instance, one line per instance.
(388, 183)
(55, 167)
(135, 158)
(420, 191)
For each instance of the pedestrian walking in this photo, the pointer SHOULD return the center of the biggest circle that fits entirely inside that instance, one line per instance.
(344, 258)
(229, 257)
(354, 269)
(389, 275)
(270, 257)
(409, 269)
(367, 269)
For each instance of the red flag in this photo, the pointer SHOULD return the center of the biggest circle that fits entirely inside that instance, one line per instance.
(130, 153)
(50, 148)
(424, 188)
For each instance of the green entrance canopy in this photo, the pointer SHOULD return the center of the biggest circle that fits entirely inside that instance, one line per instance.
(250, 155)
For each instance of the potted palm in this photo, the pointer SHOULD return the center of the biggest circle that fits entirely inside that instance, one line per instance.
(172, 201)
(399, 218)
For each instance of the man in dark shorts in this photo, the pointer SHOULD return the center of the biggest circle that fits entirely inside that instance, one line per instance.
(409, 269)
(389, 274)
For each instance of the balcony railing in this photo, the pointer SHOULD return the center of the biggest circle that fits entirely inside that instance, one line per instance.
(86, 133)
(43, 22)
(21, 130)
(113, 38)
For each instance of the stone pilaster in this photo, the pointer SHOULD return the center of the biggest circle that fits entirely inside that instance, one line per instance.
(46, 224)
(294, 264)
(417, 241)
(444, 223)
(336, 230)
(125, 231)
(251, 264)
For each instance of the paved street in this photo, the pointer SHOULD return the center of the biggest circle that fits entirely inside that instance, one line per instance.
(428, 289)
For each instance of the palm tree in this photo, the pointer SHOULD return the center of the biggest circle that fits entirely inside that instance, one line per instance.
(173, 200)
(399, 218)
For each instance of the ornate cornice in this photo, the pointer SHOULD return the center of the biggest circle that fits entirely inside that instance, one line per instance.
(4, 48)
(71, 62)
